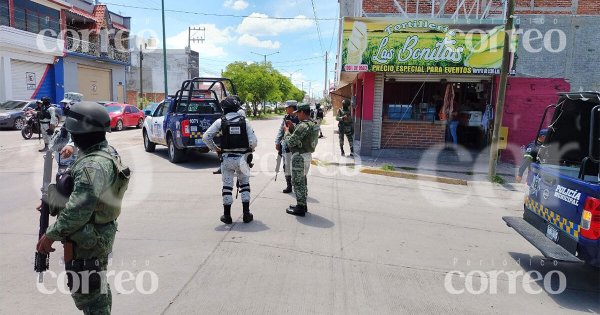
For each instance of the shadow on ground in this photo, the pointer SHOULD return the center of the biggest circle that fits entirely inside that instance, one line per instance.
(193, 160)
(315, 220)
(582, 291)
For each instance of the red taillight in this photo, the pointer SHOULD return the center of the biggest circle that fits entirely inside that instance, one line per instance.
(590, 219)
(185, 128)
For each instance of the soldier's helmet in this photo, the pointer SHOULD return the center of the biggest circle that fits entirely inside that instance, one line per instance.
(318, 105)
(86, 117)
(294, 106)
(45, 100)
(346, 103)
(231, 104)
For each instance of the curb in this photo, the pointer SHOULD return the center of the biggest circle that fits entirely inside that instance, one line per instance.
(429, 178)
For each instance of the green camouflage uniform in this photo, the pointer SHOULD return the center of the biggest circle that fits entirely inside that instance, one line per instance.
(302, 143)
(89, 217)
(345, 127)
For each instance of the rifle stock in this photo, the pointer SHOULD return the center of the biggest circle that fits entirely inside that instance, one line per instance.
(42, 261)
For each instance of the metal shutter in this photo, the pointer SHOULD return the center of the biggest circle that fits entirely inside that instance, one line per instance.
(26, 77)
(94, 83)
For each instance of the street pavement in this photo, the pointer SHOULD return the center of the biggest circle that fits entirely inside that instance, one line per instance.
(370, 244)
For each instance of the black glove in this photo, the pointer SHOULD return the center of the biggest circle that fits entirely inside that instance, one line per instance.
(249, 159)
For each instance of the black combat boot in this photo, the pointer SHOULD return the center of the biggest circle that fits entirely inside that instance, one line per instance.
(44, 149)
(288, 189)
(226, 217)
(342, 149)
(351, 151)
(320, 134)
(248, 217)
(218, 171)
(298, 210)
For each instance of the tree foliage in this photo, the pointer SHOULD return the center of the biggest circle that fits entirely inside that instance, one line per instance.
(258, 83)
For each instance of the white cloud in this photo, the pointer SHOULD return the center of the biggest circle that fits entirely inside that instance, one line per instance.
(249, 40)
(212, 46)
(257, 25)
(236, 4)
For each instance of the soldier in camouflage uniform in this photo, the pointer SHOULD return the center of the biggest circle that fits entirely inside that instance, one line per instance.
(87, 222)
(345, 126)
(302, 143)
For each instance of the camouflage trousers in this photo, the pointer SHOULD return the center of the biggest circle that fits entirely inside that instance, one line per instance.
(231, 167)
(96, 302)
(300, 167)
(349, 133)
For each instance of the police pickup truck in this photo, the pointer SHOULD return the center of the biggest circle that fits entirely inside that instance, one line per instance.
(180, 121)
(562, 207)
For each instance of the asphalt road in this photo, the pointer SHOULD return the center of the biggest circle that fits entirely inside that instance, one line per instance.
(370, 244)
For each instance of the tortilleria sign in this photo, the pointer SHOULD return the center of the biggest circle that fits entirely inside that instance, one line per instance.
(422, 46)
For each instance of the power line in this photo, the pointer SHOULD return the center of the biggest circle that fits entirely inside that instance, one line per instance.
(318, 26)
(221, 15)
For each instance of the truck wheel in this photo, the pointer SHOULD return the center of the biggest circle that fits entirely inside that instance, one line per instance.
(119, 125)
(140, 124)
(175, 155)
(149, 146)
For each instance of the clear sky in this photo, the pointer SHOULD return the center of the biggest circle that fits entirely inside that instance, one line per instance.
(234, 38)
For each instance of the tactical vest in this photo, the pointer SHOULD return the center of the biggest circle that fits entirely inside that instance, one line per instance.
(342, 123)
(44, 114)
(310, 141)
(320, 113)
(109, 207)
(235, 135)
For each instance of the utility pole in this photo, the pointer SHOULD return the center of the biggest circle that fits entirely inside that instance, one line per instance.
(189, 47)
(195, 39)
(265, 56)
(141, 76)
(164, 35)
(508, 29)
(326, 83)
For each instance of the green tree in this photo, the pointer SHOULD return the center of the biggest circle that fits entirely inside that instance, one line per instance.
(258, 83)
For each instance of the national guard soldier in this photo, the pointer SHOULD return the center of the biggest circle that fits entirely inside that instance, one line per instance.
(48, 121)
(237, 143)
(302, 143)
(86, 224)
(241, 112)
(319, 115)
(345, 126)
(290, 120)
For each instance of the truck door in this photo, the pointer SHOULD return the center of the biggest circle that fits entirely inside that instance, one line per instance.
(157, 124)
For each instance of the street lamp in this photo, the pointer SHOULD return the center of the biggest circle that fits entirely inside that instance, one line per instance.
(265, 56)
(293, 74)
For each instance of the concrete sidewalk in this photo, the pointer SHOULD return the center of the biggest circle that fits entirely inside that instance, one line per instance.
(457, 163)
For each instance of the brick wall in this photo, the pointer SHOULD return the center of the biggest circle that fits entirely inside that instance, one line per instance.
(584, 7)
(132, 97)
(576, 63)
(414, 135)
(589, 7)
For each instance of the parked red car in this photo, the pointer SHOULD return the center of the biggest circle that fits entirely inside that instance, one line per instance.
(124, 115)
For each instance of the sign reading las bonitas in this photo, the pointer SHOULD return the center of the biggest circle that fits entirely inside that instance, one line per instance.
(437, 46)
